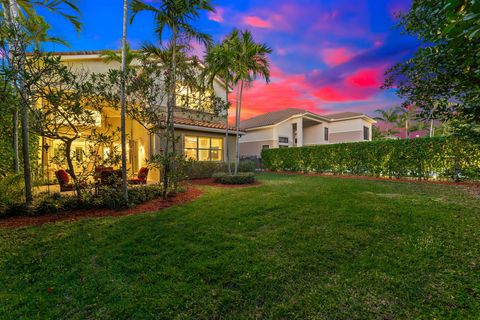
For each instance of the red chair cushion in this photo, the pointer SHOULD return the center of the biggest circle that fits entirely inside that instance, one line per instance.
(143, 173)
(62, 177)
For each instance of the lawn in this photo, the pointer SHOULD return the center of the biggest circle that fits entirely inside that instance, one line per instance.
(293, 247)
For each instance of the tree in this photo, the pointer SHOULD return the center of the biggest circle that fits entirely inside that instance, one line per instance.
(220, 62)
(122, 99)
(177, 16)
(442, 78)
(250, 63)
(71, 105)
(390, 118)
(17, 13)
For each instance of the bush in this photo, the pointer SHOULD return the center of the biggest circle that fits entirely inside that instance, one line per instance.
(241, 178)
(246, 166)
(11, 194)
(204, 169)
(423, 158)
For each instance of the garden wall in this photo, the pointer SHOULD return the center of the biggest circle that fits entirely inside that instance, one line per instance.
(425, 158)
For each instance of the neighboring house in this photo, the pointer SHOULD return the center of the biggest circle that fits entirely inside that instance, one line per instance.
(296, 127)
(201, 134)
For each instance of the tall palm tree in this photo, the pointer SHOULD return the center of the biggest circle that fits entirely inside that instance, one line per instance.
(219, 62)
(250, 62)
(389, 117)
(17, 12)
(177, 16)
(406, 115)
(123, 105)
(116, 56)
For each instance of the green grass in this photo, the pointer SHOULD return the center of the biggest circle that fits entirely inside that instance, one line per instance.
(294, 247)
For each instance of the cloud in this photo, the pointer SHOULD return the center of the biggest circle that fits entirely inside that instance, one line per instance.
(366, 78)
(336, 56)
(217, 16)
(256, 22)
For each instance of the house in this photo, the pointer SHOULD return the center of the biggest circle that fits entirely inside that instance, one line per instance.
(201, 135)
(296, 127)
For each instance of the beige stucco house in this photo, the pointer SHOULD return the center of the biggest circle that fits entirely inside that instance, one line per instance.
(296, 127)
(201, 135)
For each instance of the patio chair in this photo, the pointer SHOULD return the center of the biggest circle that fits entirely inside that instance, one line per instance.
(64, 180)
(141, 177)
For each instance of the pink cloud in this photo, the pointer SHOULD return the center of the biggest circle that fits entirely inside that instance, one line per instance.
(342, 93)
(254, 21)
(335, 56)
(217, 16)
(366, 78)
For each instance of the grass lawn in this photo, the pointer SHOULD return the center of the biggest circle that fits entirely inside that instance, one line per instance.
(294, 247)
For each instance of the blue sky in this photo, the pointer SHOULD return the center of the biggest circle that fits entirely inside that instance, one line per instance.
(329, 56)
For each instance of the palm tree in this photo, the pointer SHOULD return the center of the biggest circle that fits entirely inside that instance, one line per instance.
(219, 62)
(17, 12)
(389, 117)
(406, 114)
(122, 99)
(250, 62)
(177, 16)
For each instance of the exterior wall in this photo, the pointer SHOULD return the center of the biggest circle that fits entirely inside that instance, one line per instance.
(254, 149)
(314, 135)
(342, 137)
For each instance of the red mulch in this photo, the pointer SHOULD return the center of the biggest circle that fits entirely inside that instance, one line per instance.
(210, 183)
(151, 206)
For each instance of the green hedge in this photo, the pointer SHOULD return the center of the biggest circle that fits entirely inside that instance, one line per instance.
(241, 178)
(425, 158)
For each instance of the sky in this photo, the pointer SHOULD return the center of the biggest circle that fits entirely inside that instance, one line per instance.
(328, 55)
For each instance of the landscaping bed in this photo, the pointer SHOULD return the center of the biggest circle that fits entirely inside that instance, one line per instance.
(73, 215)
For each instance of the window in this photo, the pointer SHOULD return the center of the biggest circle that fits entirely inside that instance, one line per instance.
(366, 133)
(265, 146)
(203, 148)
(283, 139)
(325, 134)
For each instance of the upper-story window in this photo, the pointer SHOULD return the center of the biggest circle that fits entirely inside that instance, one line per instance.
(190, 98)
(366, 133)
(325, 134)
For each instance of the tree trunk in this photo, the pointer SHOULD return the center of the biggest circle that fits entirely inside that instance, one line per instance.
(123, 107)
(239, 112)
(432, 130)
(71, 168)
(16, 157)
(17, 64)
(226, 132)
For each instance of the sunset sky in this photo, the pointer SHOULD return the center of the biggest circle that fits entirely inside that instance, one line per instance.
(329, 55)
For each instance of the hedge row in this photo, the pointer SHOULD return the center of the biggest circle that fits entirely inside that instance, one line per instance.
(424, 158)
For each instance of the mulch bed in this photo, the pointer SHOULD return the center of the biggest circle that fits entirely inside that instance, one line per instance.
(151, 206)
(210, 183)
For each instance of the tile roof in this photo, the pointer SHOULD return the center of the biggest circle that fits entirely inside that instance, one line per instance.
(271, 118)
(343, 115)
(202, 123)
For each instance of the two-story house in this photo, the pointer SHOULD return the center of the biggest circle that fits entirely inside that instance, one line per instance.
(296, 127)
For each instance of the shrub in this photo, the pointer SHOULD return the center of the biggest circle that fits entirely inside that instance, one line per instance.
(241, 178)
(246, 166)
(11, 194)
(421, 158)
(204, 169)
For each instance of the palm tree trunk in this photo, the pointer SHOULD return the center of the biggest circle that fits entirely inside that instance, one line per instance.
(16, 157)
(123, 104)
(226, 132)
(432, 132)
(239, 111)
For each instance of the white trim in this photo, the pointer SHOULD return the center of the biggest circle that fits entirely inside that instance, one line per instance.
(363, 117)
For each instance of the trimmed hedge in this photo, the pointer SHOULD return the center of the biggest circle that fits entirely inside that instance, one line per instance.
(241, 178)
(206, 169)
(424, 158)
